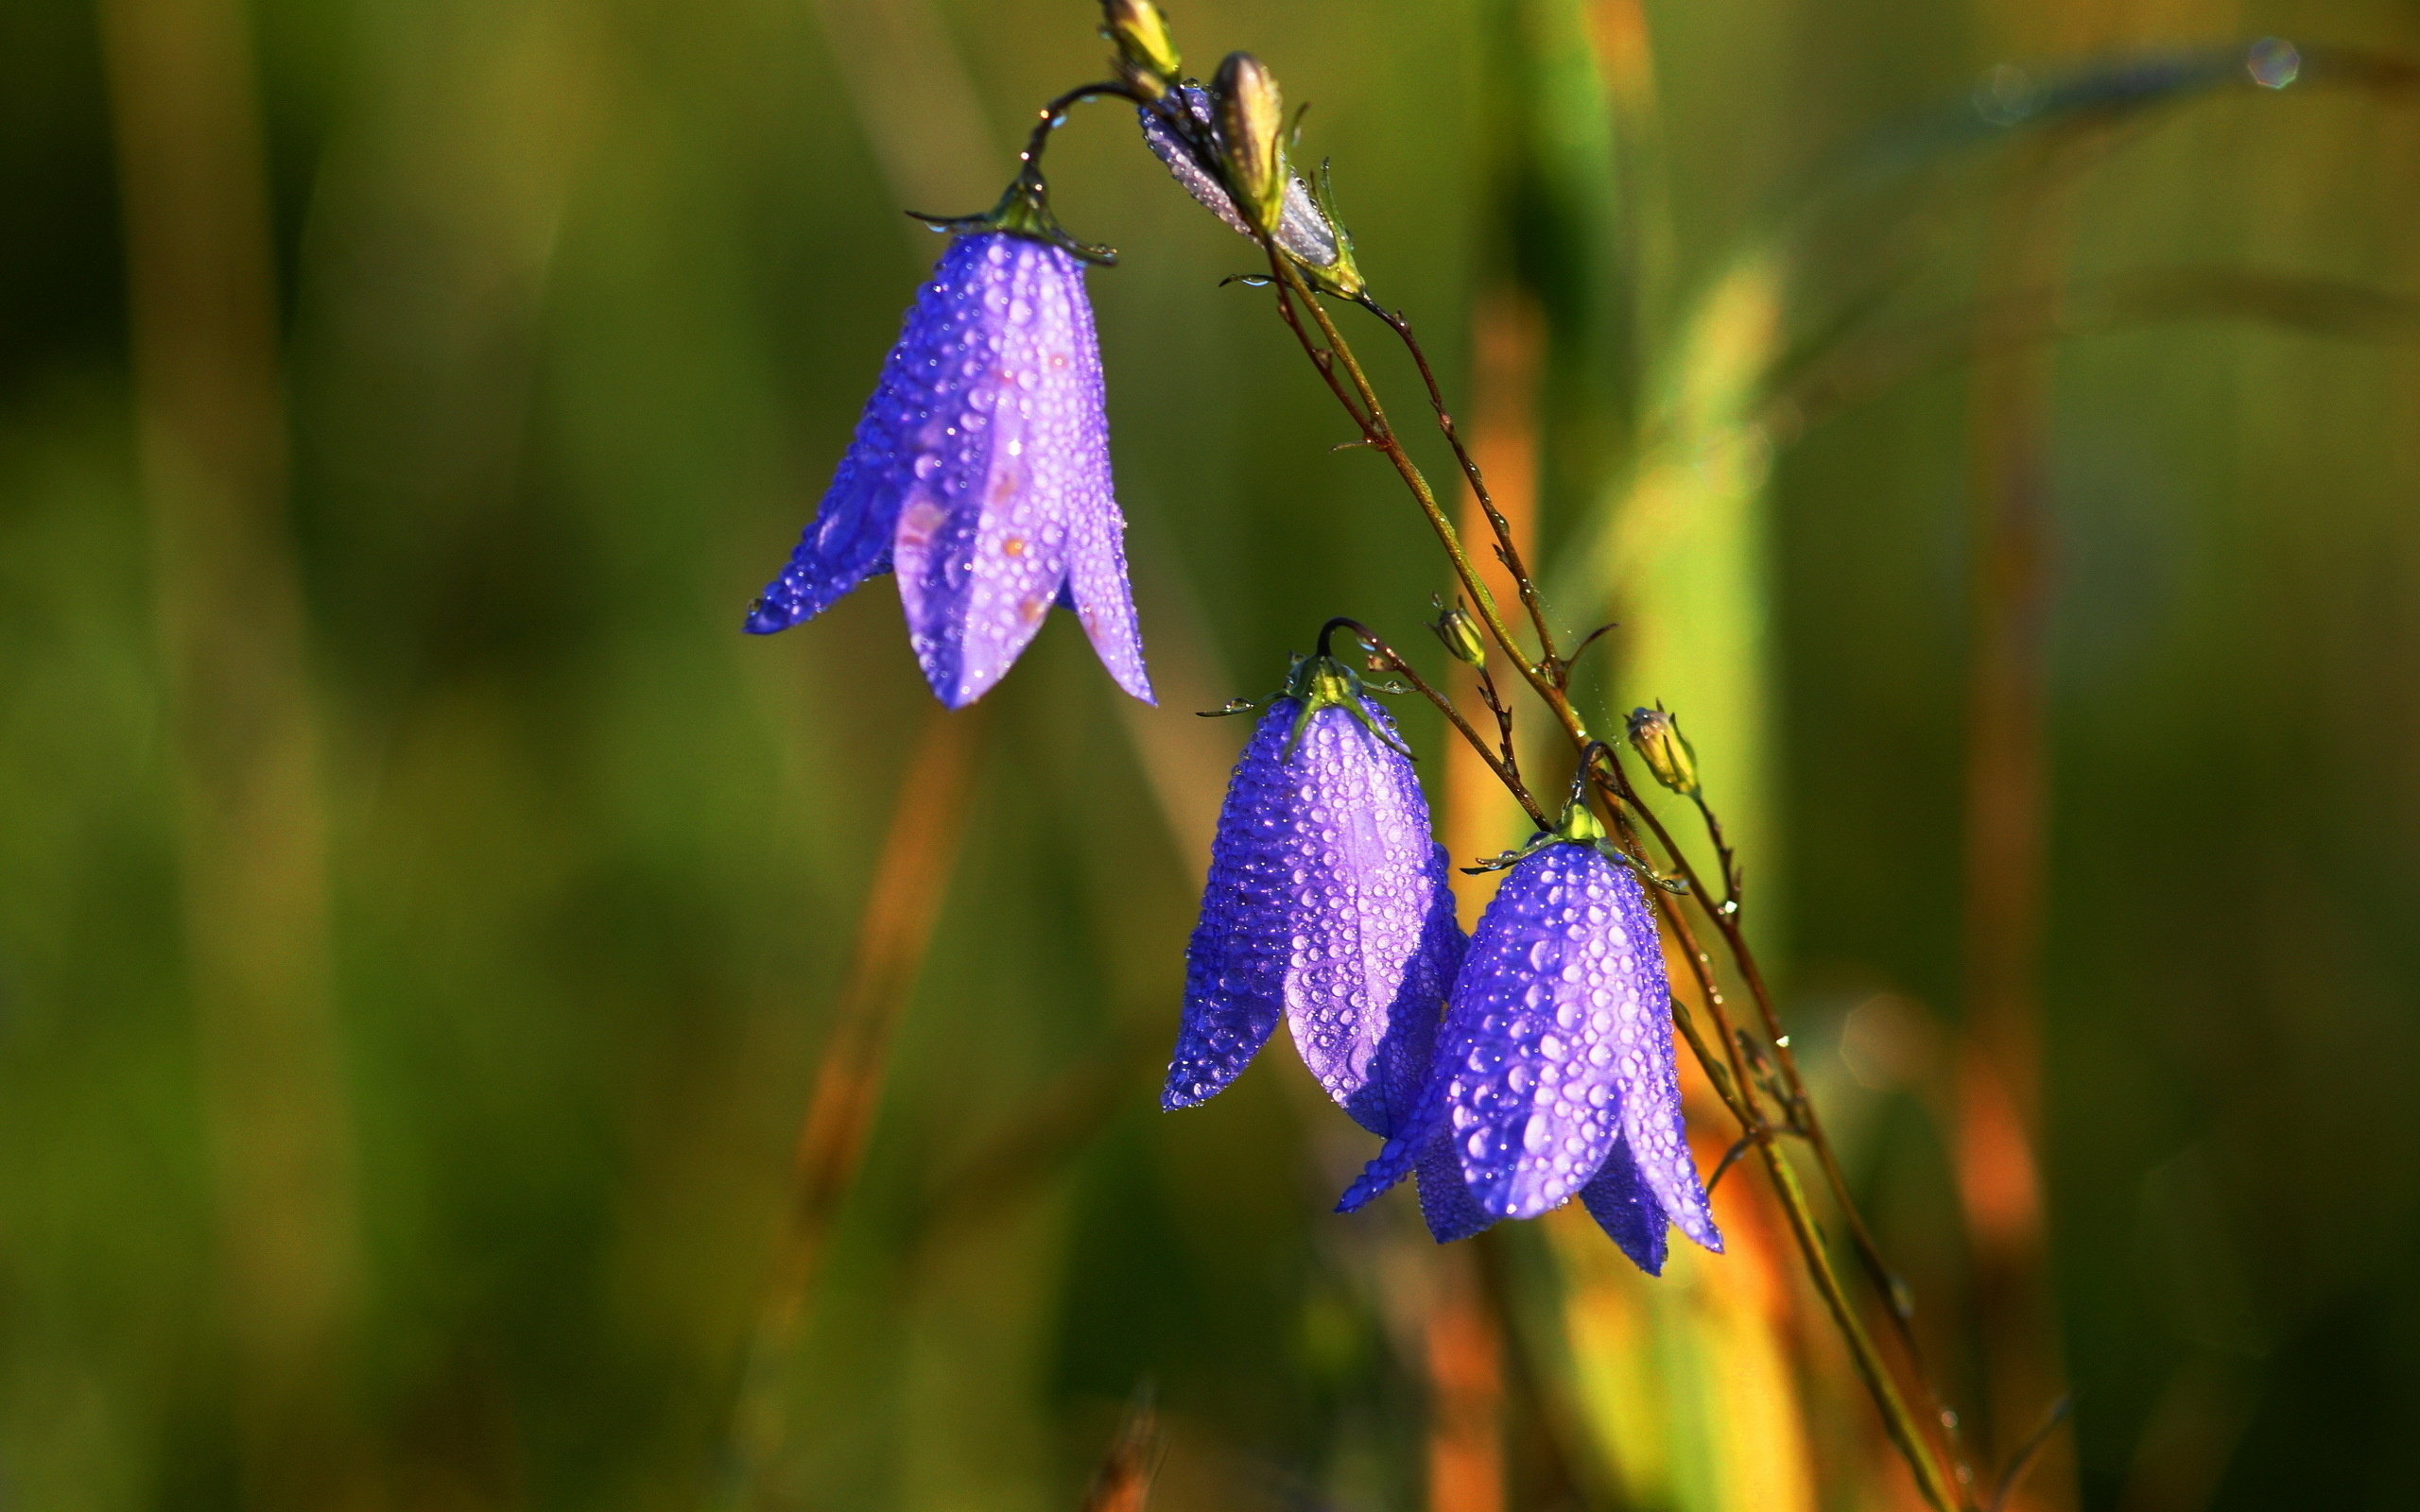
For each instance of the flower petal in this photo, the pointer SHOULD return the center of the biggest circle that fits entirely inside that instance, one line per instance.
(980, 566)
(1530, 1036)
(1402, 1049)
(1446, 1201)
(903, 445)
(1650, 1083)
(1412, 1140)
(1360, 985)
(1234, 966)
(1628, 1212)
(1098, 589)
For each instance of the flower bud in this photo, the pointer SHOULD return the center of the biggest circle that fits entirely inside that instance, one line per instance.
(1656, 737)
(1249, 117)
(1459, 632)
(1147, 55)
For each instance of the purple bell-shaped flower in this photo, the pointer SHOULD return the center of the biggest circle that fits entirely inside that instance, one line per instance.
(979, 473)
(1554, 1074)
(1326, 905)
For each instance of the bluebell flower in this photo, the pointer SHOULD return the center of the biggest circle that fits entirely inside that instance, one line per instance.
(1554, 1074)
(1307, 230)
(1326, 905)
(979, 473)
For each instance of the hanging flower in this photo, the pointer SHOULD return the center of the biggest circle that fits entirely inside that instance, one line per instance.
(1326, 904)
(979, 473)
(1307, 230)
(1554, 1074)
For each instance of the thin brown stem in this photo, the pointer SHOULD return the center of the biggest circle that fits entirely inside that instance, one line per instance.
(1382, 437)
(1728, 1071)
(1506, 548)
(1803, 1120)
(1505, 772)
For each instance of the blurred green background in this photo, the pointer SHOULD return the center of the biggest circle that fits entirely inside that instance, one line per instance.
(423, 914)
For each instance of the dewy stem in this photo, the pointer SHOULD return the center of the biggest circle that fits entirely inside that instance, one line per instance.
(1506, 548)
(1803, 1118)
(1395, 662)
(1054, 115)
(1729, 1072)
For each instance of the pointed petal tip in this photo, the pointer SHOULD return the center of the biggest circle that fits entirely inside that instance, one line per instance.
(766, 619)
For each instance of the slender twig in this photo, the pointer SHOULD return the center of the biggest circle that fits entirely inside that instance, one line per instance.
(1507, 547)
(2023, 1459)
(1054, 114)
(1333, 359)
(1507, 774)
(1803, 1118)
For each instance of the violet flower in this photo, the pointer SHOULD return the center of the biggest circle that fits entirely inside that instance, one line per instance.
(1326, 904)
(979, 473)
(1554, 1074)
(1306, 231)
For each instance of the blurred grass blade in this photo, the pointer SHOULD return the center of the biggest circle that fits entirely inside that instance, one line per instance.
(910, 878)
(1123, 1483)
(211, 430)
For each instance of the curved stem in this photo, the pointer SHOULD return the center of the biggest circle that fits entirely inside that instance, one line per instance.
(1333, 357)
(1803, 1116)
(1396, 662)
(1054, 116)
(1506, 549)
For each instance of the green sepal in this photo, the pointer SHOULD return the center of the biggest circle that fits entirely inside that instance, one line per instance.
(1023, 211)
(1318, 682)
(1578, 825)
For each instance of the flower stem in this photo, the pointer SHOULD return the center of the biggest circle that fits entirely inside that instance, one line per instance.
(1396, 662)
(1332, 355)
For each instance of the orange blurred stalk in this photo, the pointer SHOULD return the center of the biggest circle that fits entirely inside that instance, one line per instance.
(910, 878)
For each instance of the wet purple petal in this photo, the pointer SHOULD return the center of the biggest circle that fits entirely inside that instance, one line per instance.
(1326, 902)
(1301, 230)
(1651, 1082)
(979, 473)
(1361, 985)
(1628, 1212)
(1234, 966)
(1446, 1201)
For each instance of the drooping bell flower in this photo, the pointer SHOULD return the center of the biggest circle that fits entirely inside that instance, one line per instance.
(1554, 1074)
(1308, 228)
(980, 474)
(1326, 905)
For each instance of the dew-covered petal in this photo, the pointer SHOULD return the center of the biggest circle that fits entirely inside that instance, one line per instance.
(1412, 1138)
(1406, 1046)
(982, 543)
(1097, 587)
(1658, 1141)
(1362, 986)
(1628, 1212)
(908, 447)
(1533, 1030)
(979, 473)
(1446, 1201)
(1301, 230)
(1234, 966)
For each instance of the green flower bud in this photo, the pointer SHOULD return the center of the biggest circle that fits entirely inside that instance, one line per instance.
(1147, 57)
(1656, 737)
(1579, 824)
(1248, 117)
(1459, 632)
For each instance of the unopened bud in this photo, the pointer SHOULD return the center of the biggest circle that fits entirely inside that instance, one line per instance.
(1147, 55)
(1248, 117)
(1459, 632)
(1656, 737)
(1579, 822)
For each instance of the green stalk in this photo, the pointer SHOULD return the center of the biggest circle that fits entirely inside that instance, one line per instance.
(1728, 1072)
